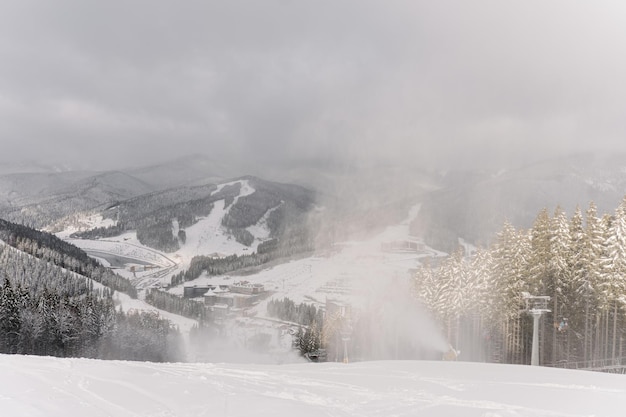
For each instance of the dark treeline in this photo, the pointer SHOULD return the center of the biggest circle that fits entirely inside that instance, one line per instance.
(268, 246)
(158, 235)
(580, 262)
(12, 232)
(310, 335)
(266, 251)
(291, 234)
(286, 309)
(218, 266)
(249, 209)
(48, 247)
(286, 207)
(242, 236)
(177, 305)
(47, 310)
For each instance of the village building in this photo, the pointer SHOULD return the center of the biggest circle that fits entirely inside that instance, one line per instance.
(196, 291)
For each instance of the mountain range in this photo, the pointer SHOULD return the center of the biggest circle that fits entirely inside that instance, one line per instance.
(471, 205)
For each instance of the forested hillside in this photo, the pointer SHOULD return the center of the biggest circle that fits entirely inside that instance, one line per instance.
(287, 208)
(580, 262)
(152, 215)
(49, 310)
(267, 252)
(40, 200)
(48, 247)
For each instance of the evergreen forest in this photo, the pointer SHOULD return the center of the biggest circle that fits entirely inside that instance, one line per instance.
(578, 261)
(53, 302)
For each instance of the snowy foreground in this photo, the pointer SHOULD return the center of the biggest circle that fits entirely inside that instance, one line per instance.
(37, 386)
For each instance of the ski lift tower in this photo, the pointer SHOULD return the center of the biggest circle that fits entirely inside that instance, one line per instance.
(346, 333)
(536, 305)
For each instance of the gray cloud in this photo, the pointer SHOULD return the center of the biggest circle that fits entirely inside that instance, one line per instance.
(422, 82)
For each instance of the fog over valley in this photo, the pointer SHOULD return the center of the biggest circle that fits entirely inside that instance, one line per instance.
(347, 208)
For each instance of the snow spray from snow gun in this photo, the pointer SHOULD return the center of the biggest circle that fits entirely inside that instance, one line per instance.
(393, 325)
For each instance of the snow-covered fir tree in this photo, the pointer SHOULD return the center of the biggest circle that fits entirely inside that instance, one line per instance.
(579, 262)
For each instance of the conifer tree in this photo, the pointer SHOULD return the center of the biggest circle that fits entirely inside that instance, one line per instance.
(560, 285)
(541, 273)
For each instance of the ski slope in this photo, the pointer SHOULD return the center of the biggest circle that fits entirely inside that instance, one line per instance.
(359, 273)
(312, 279)
(354, 272)
(53, 387)
(206, 237)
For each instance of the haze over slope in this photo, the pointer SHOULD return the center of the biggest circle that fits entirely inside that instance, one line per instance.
(471, 204)
(475, 204)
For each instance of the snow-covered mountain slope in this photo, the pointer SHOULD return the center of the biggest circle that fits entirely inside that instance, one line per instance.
(25, 188)
(355, 271)
(51, 387)
(31, 166)
(185, 171)
(362, 273)
(207, 236)
(245, 202)
(41, 272)
(43, 199)
(127, 304)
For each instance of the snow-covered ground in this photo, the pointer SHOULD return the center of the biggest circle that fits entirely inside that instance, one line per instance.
(51, 387)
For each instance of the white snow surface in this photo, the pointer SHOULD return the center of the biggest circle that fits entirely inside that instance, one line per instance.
(208, 237)
(51, 387)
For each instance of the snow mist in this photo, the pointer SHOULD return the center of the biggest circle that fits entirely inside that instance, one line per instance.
(392, 324)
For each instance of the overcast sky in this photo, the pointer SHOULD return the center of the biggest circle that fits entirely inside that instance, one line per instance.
(109, 83)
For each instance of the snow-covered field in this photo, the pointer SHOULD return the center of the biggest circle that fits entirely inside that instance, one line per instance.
(50, 387)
